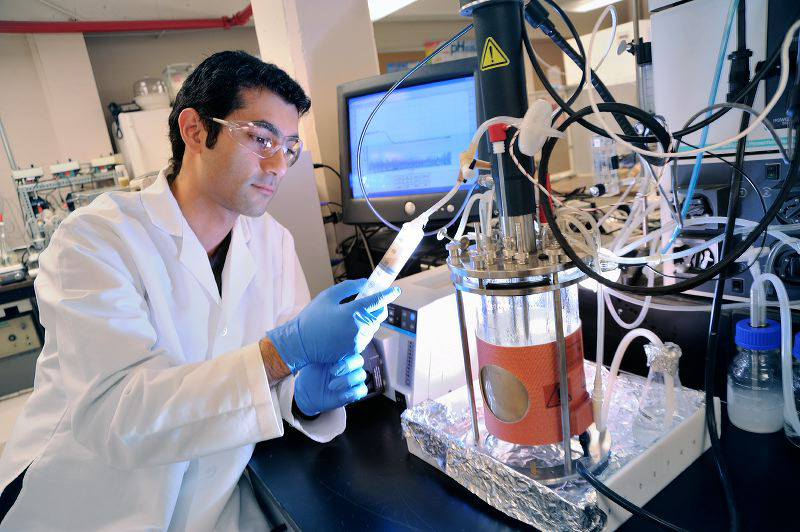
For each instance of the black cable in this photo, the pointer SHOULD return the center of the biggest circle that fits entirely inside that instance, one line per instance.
(662, 274)
(372, 115)
(579, 60)
(741, 27)
(577, 37)
(752, 85)
(331, 168)
(365, 241)
(535, 14)
(712, 344)
(621, 501)
(646, 119)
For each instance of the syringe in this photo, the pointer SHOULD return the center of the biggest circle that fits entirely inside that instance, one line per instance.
(395, 258)
(405, 243)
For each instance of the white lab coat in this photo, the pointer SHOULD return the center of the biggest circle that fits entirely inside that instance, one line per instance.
(150, 392)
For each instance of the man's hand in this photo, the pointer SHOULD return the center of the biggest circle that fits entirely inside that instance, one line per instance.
(322, 387)
(327, 330)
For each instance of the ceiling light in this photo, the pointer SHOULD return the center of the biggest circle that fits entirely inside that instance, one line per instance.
(379, 9)
(583, 6)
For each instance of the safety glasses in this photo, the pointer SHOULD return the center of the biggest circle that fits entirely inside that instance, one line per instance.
(261, 139)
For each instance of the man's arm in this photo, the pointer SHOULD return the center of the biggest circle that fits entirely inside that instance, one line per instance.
(274, 365)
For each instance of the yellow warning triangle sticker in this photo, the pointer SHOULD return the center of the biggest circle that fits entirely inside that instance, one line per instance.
(493, 56)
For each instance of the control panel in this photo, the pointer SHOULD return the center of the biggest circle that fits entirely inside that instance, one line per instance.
(402, 318)
(18, 335)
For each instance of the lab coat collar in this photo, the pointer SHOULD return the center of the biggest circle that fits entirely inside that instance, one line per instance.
(165, 213)
(162, 207)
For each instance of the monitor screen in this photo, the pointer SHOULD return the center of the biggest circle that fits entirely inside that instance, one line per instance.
(410, 153)
(413, 142)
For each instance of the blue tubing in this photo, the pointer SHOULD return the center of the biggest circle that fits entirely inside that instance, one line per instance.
(704, 135)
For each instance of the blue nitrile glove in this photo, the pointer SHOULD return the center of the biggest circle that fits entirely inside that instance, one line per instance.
(327, 330)
(322, 387)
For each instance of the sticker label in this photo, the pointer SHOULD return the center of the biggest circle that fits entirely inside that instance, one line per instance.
(553, 394)
(493, 56)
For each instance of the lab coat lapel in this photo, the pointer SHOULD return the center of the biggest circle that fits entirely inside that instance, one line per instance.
(194, 258)
(239, 269)
(165, 214)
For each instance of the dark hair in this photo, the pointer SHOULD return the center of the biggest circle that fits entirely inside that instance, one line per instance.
(214, 91)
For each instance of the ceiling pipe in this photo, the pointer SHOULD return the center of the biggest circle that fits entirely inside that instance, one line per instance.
(111, 26)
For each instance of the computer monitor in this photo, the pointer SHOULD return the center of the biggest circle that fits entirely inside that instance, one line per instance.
(410, 154)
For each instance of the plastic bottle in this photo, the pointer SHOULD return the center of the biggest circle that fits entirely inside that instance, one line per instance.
(662, 396)
(790, 433)
(395, 258)
(755, 393)
(606, 162)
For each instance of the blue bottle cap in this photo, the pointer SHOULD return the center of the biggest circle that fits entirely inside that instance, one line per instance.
(796, 346)
(758, 338)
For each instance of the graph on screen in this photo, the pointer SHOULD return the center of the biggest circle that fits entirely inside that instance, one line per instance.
(413, 142)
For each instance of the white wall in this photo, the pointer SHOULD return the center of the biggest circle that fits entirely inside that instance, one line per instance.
(321, 44)
(119, 59)
(404, 36)
(616, 68)
(50, 110)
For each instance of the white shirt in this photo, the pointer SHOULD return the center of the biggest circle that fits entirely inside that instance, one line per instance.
(150, 390)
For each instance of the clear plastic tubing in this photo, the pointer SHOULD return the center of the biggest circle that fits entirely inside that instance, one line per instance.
(612, 375)
(508, 120)
(777, 229)
(616, 257)
(789, 412)
(597, 391)
(680, 308)
(465, 216)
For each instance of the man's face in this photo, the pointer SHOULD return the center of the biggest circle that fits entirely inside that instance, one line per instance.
(233, 176)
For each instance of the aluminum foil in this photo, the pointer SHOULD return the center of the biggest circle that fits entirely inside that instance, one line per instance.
(442, 429)
(664, 359)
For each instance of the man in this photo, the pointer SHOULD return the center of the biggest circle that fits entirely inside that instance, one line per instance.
(171, 342)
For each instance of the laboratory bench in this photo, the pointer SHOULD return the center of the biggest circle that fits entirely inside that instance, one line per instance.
(365, 479)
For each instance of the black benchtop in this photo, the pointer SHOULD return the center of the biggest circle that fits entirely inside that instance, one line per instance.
(366, 479)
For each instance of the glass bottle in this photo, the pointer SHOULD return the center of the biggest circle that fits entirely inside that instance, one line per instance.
(790, 433)
(755, 393)
(605, 162)
(662, 399)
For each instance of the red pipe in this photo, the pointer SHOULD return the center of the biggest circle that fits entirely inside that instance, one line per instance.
(27, 26)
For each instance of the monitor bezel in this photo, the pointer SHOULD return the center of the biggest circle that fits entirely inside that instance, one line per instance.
(395, 208)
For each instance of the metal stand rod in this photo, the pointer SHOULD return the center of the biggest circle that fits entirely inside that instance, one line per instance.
(635, 17)
(564, 384)
(526, 321)
(462, 322)
(4, 139)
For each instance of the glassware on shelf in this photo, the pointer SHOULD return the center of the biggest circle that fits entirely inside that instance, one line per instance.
(174, 75)
(150, 93)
